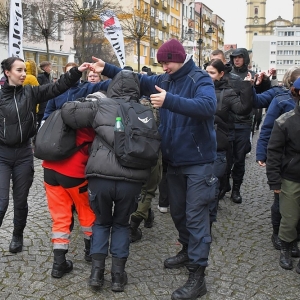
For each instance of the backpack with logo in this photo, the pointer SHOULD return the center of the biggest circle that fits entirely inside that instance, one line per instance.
(55, 140)
(138, 146)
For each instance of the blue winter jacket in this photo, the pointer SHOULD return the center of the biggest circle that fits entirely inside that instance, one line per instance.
(187, 115)
(264, 99)
(279, 105)
(79, 90)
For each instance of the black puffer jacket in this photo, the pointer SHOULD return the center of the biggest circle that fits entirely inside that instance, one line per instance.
(17, 107)
(43, 78)
(100, 113)
(229, 101)
(242, 72)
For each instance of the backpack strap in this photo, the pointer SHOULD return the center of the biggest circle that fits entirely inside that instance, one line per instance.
(79, 147)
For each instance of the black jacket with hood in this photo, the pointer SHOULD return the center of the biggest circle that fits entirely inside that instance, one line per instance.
(242, 72)
(100, 113)
(18, 103)
(229, 101)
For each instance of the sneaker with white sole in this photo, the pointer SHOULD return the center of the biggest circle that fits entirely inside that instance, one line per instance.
(162, 209)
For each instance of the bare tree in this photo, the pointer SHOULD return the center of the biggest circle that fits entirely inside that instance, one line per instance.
(4, 18)
(89, 38)
(136, 26)
(46, 21)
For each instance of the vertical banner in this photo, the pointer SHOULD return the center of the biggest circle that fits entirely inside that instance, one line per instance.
(15, 44)
(113, 32)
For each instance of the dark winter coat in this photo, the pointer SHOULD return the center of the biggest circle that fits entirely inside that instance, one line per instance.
(18, 103)
(283, 156)
(230, 102)
(100, 114)
(246, 120)
(187, 114)
(279, 105)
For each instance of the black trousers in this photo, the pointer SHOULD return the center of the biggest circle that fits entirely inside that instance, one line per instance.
(16, 164)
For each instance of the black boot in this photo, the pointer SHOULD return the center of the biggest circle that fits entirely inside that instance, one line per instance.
(179, 260)
(276, 241)
(194, 287)
(97, 272)
(118, 274)
(87, 248)
(295, 250)
(285, 260)
(16, 244)
(135, 231)
(235, 195)
(149, 222)
(61, 266)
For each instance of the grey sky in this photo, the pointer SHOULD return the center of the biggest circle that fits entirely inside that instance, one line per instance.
(234, 14)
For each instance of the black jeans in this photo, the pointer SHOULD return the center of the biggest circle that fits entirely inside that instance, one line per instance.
(16, 163)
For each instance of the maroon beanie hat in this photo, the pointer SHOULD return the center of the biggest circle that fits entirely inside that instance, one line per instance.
(171, 51)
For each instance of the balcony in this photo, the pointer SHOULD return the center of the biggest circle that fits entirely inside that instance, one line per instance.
(164, 4)
(164, 24)
(156, 2)
(155, 40)
(156, 20)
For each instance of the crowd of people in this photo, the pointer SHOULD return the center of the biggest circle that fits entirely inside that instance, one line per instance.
(206, 119)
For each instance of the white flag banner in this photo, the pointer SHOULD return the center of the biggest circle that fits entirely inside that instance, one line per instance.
(113, 32)
(15, 44)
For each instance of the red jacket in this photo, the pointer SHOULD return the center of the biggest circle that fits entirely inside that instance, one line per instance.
(74, 166)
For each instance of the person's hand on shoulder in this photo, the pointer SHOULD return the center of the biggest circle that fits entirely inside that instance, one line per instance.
(98, 65)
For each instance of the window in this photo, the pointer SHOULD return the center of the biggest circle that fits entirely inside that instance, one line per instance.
(297, 62)
(288, 52)
(177, 5)
(256, 10)
(60, 27)
(273, 52)
(160, 36)
(152, 32)
(280, 52)
(145, 51)
(172, 3)
(272, 62)
(287, 62)
(138, 4)
(152, 53)
(279, 62)
(191, 12)
(281, 71)
(289, 43)
(297, 43)
(273, 43)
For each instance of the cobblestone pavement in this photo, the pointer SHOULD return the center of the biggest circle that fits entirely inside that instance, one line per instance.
(242, 265)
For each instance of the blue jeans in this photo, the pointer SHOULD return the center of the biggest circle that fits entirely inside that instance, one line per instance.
(113, 201)
(16, 163)
(190, 191)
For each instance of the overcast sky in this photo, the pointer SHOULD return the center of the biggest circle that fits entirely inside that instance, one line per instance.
(234, 14)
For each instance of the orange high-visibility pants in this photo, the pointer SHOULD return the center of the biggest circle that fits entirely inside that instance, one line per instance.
(60, 203)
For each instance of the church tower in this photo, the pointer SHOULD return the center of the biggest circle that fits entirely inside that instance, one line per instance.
(256, 19)
(296, 12)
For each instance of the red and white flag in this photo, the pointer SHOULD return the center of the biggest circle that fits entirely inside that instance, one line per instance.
(113, 32)
(15, 40)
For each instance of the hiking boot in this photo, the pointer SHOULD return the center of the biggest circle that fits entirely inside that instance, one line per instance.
(295, 252)
(276, 241)
(135, 232)
(235, 195)
(97, 273)
(61, 266)
(118, 274)
(285, 260)
(16, 244)
(149, 222)
(179, 260)
(194, 287)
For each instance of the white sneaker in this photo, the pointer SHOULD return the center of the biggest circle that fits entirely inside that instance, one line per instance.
(162, 209)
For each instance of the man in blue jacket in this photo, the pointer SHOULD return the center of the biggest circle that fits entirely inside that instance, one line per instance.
(186, 97)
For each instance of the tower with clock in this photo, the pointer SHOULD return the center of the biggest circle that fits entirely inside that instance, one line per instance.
(256, 19)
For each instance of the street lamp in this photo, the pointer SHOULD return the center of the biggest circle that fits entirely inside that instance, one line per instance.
(200, 40)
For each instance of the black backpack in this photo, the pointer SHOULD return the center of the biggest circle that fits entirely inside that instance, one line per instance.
(55, 140)
(139, 145)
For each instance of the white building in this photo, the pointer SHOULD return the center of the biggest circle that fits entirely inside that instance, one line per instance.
(280, 50)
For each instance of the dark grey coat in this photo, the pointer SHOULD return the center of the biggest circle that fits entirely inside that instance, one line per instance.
(100, 113)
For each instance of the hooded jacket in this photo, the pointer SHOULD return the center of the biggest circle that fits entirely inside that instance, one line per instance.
(17, 107)
(187, 115)
(100, 114)
(283, 156)
(43, 78)
(245, 120)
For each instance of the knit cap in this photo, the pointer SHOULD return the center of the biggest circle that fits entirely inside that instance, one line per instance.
(171, 51)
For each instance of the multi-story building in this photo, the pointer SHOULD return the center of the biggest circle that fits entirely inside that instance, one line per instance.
(256, 19)
(280, 50)
(61, 49)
